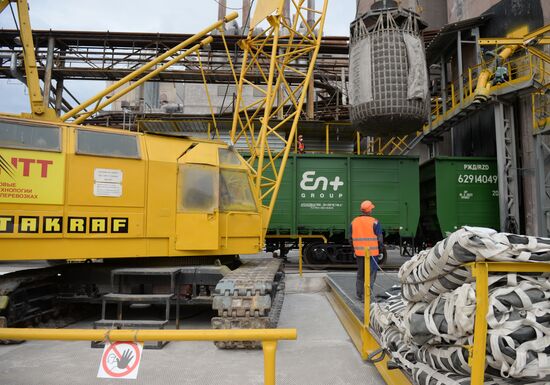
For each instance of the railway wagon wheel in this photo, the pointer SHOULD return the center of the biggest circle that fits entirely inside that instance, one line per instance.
(319, 253)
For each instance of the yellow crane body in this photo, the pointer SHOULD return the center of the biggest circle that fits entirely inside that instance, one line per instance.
(81, 192)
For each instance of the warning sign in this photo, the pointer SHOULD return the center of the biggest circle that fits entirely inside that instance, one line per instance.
(120, 360)
(31, 177)
(107, 182)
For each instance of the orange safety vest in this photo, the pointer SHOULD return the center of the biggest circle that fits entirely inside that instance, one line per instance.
(362, 230)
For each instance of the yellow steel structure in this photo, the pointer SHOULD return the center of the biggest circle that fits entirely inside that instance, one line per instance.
(79, 192)
(526, 65)
(284, 47)
(269, 338)
(523, 69)
(76, 211)
(480, 271)
(158, 60)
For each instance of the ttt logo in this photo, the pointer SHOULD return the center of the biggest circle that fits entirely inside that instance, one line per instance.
(27, 166)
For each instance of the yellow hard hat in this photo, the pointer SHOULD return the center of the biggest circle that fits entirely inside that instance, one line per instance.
(367, 206)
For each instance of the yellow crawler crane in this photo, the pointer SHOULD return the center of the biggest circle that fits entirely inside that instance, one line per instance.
(131, 202)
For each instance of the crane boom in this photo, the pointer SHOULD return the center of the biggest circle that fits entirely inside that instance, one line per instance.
(285, 47)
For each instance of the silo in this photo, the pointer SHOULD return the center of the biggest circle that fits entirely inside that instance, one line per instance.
(432, 12)
(388, 83)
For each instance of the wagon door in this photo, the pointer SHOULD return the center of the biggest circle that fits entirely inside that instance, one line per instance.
(197, 218)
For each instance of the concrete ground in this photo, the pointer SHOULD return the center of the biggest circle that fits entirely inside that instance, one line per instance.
(323, 353)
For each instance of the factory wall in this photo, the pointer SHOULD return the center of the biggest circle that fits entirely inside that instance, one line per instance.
(508, 15)
(475, 136)
(182, 98)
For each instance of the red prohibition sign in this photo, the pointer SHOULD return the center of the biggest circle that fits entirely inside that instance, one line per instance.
(130, 368)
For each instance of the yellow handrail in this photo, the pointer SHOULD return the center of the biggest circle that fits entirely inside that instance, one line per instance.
(269, 338)
(300, 244)
(480, 271)
(520, 68)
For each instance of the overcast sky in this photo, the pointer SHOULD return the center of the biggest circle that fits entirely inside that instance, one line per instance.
(177, 16)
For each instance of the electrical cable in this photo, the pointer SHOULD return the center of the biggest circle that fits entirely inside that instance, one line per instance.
(226, 7)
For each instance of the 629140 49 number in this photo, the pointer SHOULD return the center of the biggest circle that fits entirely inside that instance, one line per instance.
(470, 178)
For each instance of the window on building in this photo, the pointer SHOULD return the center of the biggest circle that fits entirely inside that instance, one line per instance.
(107, 144)
(16, 135)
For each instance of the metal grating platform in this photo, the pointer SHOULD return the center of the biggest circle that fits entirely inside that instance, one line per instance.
(344, 286)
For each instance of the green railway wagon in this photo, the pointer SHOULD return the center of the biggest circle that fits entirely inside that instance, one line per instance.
(321, 194)
(457, 192)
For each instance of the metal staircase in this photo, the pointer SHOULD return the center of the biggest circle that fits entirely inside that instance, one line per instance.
(144, 295)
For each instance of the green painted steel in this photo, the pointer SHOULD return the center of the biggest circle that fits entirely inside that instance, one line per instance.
(321, 194)
(457, 192)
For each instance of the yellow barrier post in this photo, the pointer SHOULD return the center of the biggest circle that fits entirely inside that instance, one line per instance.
(453, 102)
(327, 139)
(300, 244)
(470, 83)
(269, 348)
(480, 271)
(366, 336)
(476, 358)
(300, 255)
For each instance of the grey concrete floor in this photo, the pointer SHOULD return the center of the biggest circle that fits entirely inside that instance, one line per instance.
(323, 353)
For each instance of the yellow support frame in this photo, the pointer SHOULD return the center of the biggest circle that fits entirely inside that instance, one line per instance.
(269, 338)
(480, 271)
(366, 343)
(282, 49)
(145, 69)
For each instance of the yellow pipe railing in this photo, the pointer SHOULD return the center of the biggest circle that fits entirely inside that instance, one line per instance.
(480, 271)
(300, 245)
(520, 69)
(268, 337)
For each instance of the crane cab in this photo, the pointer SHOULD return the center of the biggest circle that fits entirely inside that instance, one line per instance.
(81, 192)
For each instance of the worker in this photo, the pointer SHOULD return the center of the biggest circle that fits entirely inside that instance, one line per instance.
(366, 233)
(301, 145)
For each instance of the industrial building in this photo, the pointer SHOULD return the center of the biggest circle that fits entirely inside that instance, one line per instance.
(229, 185)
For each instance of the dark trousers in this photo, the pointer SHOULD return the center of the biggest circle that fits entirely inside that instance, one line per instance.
(360, 282)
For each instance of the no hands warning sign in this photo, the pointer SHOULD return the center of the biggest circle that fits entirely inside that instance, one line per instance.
(120, 360)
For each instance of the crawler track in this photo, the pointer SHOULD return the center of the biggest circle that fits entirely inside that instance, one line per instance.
(249, 297)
